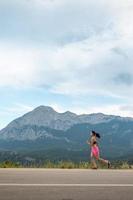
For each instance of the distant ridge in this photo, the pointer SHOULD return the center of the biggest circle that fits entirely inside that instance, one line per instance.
(43, 128)
(47, 116)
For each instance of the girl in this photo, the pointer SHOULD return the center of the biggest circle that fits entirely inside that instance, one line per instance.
(95, 155)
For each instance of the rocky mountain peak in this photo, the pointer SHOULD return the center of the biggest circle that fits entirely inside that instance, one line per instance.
(44, 109)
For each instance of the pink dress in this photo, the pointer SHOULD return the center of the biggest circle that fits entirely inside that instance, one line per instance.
(95, 151)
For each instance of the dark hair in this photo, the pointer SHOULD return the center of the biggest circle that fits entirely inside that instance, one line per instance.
(96, 134)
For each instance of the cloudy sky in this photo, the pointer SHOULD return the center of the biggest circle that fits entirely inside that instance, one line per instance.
(72, 55)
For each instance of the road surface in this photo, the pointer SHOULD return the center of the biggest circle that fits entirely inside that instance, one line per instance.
(66, 184)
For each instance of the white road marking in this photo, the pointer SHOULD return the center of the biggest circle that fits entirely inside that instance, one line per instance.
(64, 185)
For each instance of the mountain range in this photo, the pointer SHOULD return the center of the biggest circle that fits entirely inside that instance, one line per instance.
(63, 135)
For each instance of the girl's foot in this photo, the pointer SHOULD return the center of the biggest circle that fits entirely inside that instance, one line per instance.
(94, 168)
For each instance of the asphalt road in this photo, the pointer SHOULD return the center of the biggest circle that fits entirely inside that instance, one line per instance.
(62, 184)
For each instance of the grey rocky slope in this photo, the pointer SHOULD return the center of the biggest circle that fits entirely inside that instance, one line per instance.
(33, 125)
(59, 134)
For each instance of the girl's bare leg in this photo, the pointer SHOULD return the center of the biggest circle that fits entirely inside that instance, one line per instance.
(103, 161)
(93, 162)
(107, 162)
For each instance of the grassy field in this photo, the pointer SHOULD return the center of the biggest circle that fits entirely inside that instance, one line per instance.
(66, 165)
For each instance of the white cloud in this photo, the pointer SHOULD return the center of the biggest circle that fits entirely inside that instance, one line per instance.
(86, 47)
(7, 114)
(97, 65)
(18, 66)
(18, 109)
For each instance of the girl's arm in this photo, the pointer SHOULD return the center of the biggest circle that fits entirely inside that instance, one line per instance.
(88, 142)
(91, 141)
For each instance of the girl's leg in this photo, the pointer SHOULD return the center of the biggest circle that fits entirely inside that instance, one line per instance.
(104, 161)
(93, 163)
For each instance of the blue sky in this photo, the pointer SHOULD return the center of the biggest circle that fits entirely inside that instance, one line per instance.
(72, 55)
